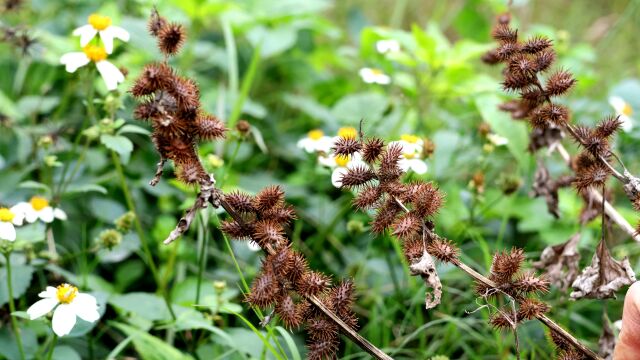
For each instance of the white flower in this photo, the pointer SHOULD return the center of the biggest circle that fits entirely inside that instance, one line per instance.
(111, 75)
(68, 303)
(38, 208)
(9, 218)
(316, 141)
(497, 140)
(624, 111)
(253, 246)
(100, 25)
(416, 165)
(387, 46)
(340, 165)
(374, 76)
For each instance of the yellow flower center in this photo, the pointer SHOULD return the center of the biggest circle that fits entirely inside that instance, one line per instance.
(412, 139)
(342, 160)
(409, 155)
(38, 203)
(627, 110)
(99, 22)
(6, 215)
(377, 72)
(348, 133)
(315, 134)
(95, 53)
(66, 293)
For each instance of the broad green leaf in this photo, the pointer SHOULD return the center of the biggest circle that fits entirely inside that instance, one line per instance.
(65, 353)
(30, 184)
(368, 106)
(85, 188)
(133, 129)
(8, 106)
(20, 278)
(150, 347)
(120, 144)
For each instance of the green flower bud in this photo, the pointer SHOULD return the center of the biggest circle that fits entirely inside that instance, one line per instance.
(355, 227)
(110, 238)
(125, 222)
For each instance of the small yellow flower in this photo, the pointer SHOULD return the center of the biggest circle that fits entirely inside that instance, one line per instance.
(111, 75)
(9, 218)
(39, 208)
(347, 132)
(316, 141)
(98, 24)
(66, 293)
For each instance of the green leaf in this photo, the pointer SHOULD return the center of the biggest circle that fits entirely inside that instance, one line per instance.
(120, 144)
(368, 106)
(30, 184)
(133, 129)
(272, 41)
(65, 353)
(31, 233)
(311, 107)
(150, 347)
(20, 278)
(8, 106)
(85, 188)
(293, 349)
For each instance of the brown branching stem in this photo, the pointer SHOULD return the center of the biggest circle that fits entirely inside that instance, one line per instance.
(611, 212)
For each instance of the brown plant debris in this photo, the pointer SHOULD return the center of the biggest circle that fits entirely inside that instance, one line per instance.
(607, 340)
(425, 267)
(604, 277)
(545, 186)
(560, 263)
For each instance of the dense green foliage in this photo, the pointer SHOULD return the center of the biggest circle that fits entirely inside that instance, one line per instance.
(288, 67)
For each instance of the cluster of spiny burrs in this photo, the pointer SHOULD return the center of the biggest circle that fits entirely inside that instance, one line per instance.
(285, 282)
(172, 104)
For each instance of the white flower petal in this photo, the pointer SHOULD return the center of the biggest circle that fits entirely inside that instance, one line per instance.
(336, 176)
(49, 292)
(74, 60)
(18, 217)
(110, 74)
(253, 246)
(86, 307)
(627, 124)
(46, 214)
(418, 166)
(389, 45)
(328, 161)
(617, 103)
(64, 319)
(107, 40)
(404, 164)
(41, 308)
(7, 231)
(59, 214)
(86, 33)
(307, 144)
(325, 144)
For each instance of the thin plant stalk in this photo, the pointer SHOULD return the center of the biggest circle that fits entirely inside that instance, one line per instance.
(53, 346)
(12, 306)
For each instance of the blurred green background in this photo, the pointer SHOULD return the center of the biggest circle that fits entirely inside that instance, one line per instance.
(288, 67)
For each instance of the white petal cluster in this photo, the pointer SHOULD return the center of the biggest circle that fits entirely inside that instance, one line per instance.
(412, 158)
(37, 208)
(374, 76)
(67, 304)
(624, 112)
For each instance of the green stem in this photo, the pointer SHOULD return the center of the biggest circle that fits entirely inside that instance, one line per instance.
(12, 306)
(139, 230)
(247, 81)
(202, 262)
(53, 346)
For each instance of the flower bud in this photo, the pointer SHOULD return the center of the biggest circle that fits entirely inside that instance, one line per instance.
(110, 238)
(355, 227)
(45, 141)
(125, 222)
(243, 127)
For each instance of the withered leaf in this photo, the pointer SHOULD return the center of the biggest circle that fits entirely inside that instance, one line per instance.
(560, 262)
(545, 186)
(426, 268)
(607, 341)
(603, 277)
(541, 138)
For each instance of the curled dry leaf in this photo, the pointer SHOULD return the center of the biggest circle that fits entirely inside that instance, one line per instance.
(607, 341)
(426, 268)
(603, 277)
(560, 262)
(545, 186)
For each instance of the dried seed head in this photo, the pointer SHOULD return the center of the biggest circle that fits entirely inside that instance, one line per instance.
(407, 226)
(209, 127)
(347, 146)
(529, 309)
(357, 176)
(171, 37)
(299, 267)
(559, 83)
(268, 198)
(283, 214)
(156, 22)
(367, 198)
(491, 57)
(288, 312)
(268, 233)
(428, 200)
(413, 249)
(186, 93)
(536, 44)
(544, 60)
(240, 202)
(516, 81)
(443, 250)
(594, 175)
(608, 127)
(506, 264)
(372, 150)
(529, 283)
(312, 283)
(385, 216)
(235, 230)
(504, 33)
(264, 290)
(549, 114)
(507, 50)
(281, 261)
(502, 321)
(190, 171)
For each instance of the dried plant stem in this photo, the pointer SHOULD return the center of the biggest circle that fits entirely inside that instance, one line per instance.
(597, 196)
(543, 318)
(363, 343)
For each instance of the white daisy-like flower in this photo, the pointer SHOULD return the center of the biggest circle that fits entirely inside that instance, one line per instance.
(111, 75)
(68, 303)
(497, 140)
(98, 24)
(374, 76)
(39, 208)
(411, 158)
(387, 46)
(316, 141)
(624, 111)
(9, 218)
(340, 165)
